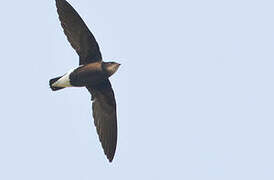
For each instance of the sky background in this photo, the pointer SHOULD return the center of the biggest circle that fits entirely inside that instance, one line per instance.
(194, 92)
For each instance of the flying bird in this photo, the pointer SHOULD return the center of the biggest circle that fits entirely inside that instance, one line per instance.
(92, 73)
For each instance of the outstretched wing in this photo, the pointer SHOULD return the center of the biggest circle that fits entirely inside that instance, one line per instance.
(105, 118)
(78, 34)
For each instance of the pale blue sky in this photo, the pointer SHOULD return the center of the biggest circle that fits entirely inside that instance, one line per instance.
(194, 92)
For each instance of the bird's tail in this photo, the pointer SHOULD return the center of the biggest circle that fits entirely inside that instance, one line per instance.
(52, 81)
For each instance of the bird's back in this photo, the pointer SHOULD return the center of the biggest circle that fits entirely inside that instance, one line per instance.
(89, 74)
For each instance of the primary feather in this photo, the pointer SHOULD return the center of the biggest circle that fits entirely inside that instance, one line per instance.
(78, 34)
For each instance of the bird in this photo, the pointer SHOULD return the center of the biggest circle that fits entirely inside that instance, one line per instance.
(92, 73)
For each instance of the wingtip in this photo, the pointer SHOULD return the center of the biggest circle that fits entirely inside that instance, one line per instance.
(110, 156)
(110, 160)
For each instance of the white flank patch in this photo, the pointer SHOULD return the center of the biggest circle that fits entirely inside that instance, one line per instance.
(64, 81)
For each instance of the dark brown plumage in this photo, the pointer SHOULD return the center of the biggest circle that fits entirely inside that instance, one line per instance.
(92, 74)
(104, 114)
(78, 34)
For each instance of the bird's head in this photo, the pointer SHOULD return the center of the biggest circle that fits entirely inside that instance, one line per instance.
(110, 67)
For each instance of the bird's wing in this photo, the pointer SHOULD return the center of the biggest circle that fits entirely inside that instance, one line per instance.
(105, 118)
(78, 34)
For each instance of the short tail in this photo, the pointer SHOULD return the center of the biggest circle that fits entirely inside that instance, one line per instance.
(53, 81)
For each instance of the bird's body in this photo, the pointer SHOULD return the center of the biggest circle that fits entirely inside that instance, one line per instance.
(90, 74)
(93, 73)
